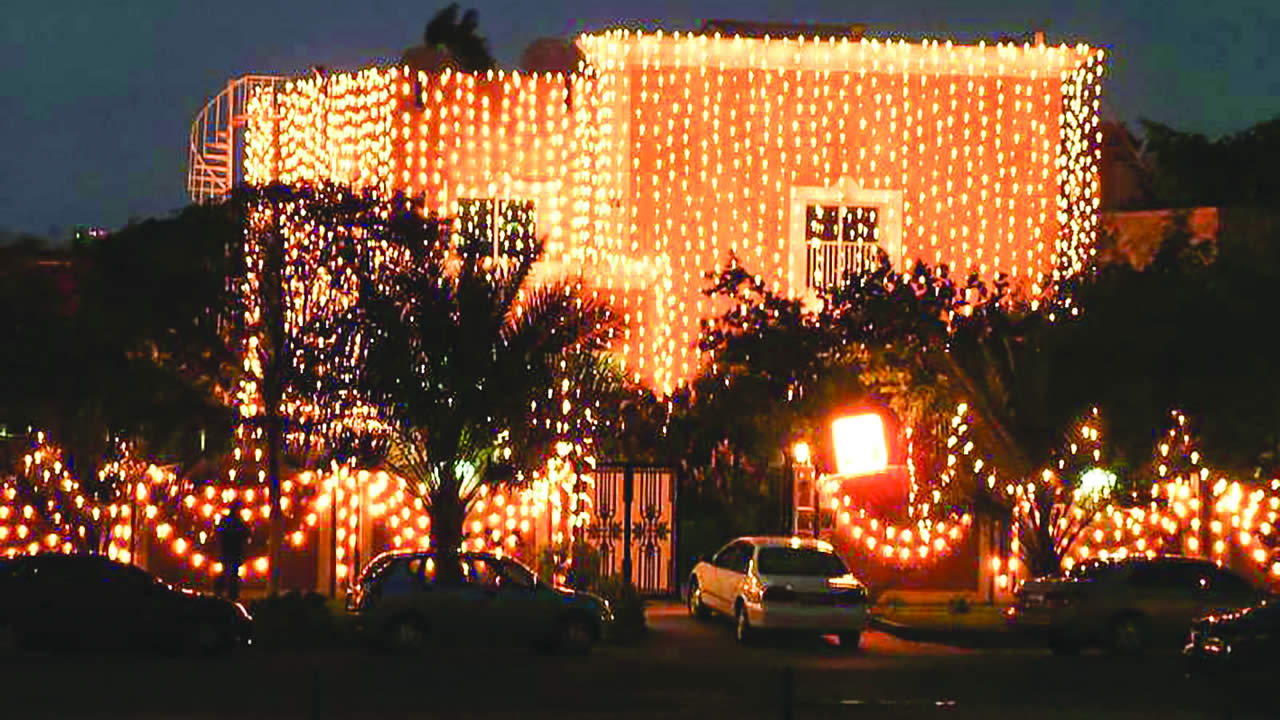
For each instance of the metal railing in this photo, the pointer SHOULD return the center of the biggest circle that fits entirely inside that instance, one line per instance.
(215, 154)
(827, 262)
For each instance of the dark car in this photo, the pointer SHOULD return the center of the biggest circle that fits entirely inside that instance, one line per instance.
(1245, 639)
(87, 601)
(1128, 605)
(400, 606)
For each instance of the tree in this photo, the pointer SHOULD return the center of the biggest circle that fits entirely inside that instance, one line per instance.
(1190, 332)
(465, 352)
(298, 270)
(1192, 170)
(118, 341)
(460, 38)
(921, 342)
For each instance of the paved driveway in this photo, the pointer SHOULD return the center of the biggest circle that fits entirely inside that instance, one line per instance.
(684, 669)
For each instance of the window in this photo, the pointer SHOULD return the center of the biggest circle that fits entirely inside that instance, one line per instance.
(840, 240)
(1228, 583)
(516, 575)
(800, 561)
(736, 557)
(402, 576)
(502, 228)
(1170, 576)
(483, 572)
(841, 229)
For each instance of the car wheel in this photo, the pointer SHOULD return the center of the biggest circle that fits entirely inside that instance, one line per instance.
(1128, 635)
(576, 637)
(850, 641)
(697, 609)
(742, 625)
(405, 635)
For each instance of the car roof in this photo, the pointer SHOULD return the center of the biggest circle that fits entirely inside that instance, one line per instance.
(1163, 560)
(795, 541)
(390, 555)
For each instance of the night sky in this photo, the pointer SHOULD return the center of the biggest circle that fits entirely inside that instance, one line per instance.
(97, 96)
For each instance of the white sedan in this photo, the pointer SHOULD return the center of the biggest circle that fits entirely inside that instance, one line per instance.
(780, 583)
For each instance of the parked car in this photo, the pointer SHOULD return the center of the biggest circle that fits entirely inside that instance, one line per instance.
(1241, 640)
(780, 583)
(1128, 605)
(400, 607)
(87, 601)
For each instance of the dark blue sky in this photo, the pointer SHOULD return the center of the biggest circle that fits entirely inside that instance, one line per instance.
(97, 96)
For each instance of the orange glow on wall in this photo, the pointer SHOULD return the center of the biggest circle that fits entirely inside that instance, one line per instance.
(860, 444)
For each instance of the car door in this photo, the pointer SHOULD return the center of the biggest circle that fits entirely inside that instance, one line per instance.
(133, 609)
(1169, 595)
(709, 576)
(477, 614)
(519, 613)
(730, 572)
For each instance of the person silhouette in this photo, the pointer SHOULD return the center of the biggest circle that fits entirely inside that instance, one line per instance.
(233, 535)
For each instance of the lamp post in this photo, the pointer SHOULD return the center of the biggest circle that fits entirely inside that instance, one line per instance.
(804, 494)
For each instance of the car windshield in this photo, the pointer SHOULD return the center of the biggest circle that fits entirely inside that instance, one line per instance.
(799, 561)
(1092, 570)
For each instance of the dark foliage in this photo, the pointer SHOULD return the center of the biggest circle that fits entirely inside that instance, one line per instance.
(1191, 170)
(460, 37)
(120, 339)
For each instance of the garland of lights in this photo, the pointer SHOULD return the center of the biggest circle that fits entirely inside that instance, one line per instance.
(1241, 516)
(933, 532)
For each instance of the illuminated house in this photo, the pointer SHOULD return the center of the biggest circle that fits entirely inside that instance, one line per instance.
(663, 157)
(667, 153)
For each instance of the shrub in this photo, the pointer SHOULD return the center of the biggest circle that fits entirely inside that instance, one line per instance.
(299, 620)
(958, 605)
(584, 574)
(629, 625)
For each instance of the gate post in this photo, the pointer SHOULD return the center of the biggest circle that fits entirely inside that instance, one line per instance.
(628, 492)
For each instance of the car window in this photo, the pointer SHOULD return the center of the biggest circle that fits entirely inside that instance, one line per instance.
(799, 561)
(517, 575)
(373, 569)
(725, 558)
(1093, 570)
(401, 575)
(736, 557)
(1170, 576)
(483, 572)
(1225, 581)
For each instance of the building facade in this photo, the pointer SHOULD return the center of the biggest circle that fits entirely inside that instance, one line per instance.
(667, 155)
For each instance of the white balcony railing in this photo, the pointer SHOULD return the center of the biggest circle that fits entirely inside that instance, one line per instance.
(827, 263)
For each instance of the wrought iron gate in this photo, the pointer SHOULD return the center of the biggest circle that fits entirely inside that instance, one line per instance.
(632, 524)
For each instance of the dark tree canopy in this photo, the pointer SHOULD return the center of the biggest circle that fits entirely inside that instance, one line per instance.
(1192, 170)
(460, 37)
(120, 339)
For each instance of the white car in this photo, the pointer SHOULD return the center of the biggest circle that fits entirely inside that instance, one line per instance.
(780, 583)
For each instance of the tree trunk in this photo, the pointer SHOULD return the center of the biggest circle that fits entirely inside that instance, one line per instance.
(275, 541)
(447, 517)
(278, 357)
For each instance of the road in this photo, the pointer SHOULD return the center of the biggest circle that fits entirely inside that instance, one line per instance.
(684, 669)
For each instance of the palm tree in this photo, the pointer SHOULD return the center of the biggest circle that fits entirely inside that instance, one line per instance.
(463, 349)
